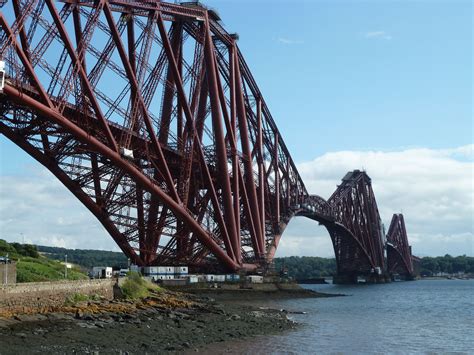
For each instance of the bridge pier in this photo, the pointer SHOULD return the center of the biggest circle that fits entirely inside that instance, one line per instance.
(344, 279)
(353, 279)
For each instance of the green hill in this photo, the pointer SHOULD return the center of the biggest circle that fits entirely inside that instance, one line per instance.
(85, 257)
(33, 267)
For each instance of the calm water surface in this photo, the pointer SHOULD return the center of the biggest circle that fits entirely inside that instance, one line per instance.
(401, 317)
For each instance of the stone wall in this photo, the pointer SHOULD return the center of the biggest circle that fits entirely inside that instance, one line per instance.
(44, 295)
(10, 270)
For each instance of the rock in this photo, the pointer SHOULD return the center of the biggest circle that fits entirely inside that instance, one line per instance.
(186, 344)
(60, 316)
(29, 317)
(86, 325)
(21, 335)
(5, 322)
(79, 314)
(106, 319)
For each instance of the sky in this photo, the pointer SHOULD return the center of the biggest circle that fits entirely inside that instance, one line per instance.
(384, 86)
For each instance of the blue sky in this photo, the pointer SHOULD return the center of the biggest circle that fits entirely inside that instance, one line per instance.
(381, 85)
(343, 75)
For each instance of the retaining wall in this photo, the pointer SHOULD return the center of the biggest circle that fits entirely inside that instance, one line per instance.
(43, 295)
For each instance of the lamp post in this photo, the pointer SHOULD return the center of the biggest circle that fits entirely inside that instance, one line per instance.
(6, 270)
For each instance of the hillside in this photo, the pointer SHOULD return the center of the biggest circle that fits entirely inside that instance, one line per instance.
(306, 267)
(33, 267)
(85, 257)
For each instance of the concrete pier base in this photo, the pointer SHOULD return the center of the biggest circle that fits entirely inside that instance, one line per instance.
(354, 279)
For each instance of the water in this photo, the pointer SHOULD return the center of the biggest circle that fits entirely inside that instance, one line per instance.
(435, 316)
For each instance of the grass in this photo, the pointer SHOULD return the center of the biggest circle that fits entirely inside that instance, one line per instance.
(80, 297)
(135, 287)
(42, 269)
(32, 267)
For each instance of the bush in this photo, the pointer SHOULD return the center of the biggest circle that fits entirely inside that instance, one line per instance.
(6, 248)
(76, 298)
(135, 287)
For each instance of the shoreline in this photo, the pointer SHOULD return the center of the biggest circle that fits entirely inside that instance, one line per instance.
(166, 322)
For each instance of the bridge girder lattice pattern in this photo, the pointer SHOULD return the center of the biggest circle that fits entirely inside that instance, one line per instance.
(352, 219)
(149, 115)
(399, 257)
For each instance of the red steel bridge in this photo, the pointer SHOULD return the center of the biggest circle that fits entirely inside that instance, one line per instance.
(148, 113)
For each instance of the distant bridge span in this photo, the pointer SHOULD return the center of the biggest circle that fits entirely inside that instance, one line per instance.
(148, 113)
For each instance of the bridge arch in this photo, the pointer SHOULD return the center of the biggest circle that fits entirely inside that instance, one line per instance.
(351, 257)
(353, 222)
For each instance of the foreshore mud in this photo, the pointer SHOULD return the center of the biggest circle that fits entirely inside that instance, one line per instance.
(165, 322)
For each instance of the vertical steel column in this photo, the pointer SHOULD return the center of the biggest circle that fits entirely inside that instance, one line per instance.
(245, 141)
(167, 105)
(144, 246)
(220, 142)
(235, 156)
(261, 168)
(277, 181)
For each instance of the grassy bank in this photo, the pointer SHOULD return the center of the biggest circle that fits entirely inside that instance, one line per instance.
(42, 269)
(33, 267)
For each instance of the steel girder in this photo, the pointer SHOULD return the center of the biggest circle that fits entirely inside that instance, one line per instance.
(355, 208)
(399, 257)
(352, 219)
(149, 115)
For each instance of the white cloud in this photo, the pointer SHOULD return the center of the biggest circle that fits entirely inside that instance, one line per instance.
(433, 188)
(378, 35)
(38, 208)
(289, 41)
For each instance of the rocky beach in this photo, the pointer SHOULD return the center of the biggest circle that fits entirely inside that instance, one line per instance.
(166, 321)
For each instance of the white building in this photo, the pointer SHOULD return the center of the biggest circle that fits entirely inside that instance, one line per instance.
(165, 272)
(101, 272)
(255, 279)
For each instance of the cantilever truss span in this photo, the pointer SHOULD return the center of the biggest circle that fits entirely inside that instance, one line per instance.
(149, 115)
(352, 219)
(399, 257)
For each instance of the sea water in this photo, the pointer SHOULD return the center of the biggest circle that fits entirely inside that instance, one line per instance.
(427, 316)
